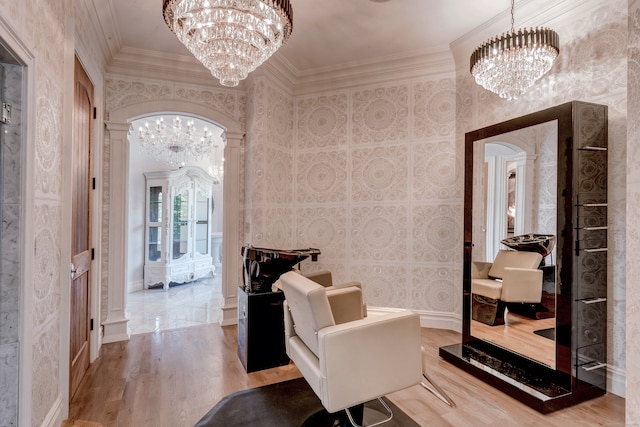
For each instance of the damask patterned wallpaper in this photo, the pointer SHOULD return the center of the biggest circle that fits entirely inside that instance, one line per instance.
(371, 180)
(633, 219)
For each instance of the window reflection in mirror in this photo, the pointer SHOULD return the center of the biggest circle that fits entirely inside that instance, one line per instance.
(514, 193)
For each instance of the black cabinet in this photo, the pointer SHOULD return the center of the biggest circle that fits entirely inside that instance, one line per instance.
(261, 330)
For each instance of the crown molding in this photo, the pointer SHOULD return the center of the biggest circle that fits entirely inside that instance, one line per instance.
(141, 63)
(418, 64)
(106, 30)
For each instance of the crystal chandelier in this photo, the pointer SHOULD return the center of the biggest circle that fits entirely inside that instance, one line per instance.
(510, 64)
(230, 37)
(177, 145)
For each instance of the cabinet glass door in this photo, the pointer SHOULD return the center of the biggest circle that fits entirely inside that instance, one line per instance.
(154, 221)
(181, 224)
(202, 224)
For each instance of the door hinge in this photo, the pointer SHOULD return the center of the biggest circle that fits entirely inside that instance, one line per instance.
(93, 253)
(93, 183)
(91, 325)
(95, 112)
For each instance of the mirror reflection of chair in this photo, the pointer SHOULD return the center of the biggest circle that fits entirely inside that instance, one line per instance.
(513, 277)
(356, 359)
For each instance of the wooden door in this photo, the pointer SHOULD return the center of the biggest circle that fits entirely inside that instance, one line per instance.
(81, 252)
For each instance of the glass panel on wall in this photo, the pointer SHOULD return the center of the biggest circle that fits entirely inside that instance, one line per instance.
(180, 225)
(202, 224)
(155, 204)
(155, 243)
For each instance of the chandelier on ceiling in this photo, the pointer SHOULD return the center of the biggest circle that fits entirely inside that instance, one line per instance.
(510, 64)
(177, 145)
(230, 37)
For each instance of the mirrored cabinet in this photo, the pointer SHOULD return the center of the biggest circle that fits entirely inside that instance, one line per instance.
(177, 227)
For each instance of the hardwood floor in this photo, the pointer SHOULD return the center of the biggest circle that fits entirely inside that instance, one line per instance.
(518, 335)
(172, 378)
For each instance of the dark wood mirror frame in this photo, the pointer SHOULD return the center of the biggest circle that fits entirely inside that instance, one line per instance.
(581, 308)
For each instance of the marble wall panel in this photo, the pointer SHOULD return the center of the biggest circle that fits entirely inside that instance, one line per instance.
(9, 363)
(10, 246)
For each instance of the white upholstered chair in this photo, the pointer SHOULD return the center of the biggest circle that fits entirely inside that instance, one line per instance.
(513, 277)
(346, 358)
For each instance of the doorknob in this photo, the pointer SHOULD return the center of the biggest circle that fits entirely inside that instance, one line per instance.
(74, 270)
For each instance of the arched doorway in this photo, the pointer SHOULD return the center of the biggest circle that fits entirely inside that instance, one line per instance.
(115, 323)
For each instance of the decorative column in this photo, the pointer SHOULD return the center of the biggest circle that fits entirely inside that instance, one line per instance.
(231, 265)
(115, 325)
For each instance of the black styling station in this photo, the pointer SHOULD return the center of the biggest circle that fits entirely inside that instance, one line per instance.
(576, 181)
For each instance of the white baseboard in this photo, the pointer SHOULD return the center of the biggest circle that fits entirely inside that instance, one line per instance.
(54, 416)
(438, 320)
(135, 286)
(428, 319)
(616, 381)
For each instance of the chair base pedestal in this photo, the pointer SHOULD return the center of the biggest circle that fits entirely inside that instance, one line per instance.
(338, 419)
(372, 413)
(487, 310)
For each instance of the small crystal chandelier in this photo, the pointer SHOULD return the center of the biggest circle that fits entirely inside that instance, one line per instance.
(510, 64)
(230, 37)
(177, 145)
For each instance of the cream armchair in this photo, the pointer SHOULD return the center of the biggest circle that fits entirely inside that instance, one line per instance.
(513, 277)
(325, 278)
(348, 359)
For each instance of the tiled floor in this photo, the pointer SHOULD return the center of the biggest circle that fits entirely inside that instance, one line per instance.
(189, 304)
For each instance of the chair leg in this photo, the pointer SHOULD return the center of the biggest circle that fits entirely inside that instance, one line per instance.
(386, 420)
(437, 391)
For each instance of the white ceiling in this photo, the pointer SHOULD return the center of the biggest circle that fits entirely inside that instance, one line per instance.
(327, 34)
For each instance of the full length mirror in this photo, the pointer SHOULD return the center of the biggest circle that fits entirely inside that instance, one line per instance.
(514, 198)
(535, 256)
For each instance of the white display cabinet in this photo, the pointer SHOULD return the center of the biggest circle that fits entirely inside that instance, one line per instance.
(177, 227)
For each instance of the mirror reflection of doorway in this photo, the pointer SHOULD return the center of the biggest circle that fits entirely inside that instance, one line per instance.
(514, 193)
(193, 302)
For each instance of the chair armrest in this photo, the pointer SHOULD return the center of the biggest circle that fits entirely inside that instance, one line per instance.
(346, 303)
(480, 269)
(355, 358)
(522, 285)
